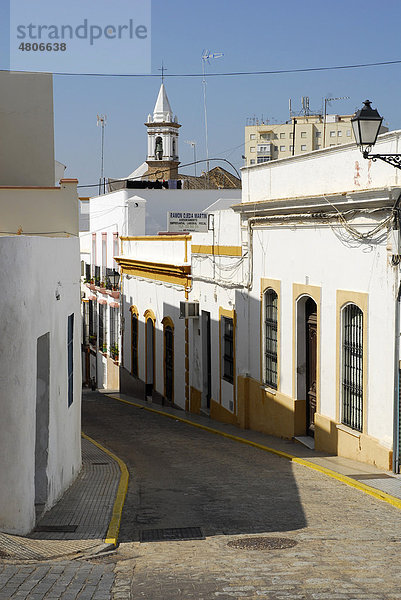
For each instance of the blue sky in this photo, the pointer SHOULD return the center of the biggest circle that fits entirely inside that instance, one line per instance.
(254, 35)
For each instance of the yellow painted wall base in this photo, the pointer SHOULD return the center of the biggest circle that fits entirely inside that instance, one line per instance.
(274, 414)
(220, 413)
(337, 439)
(195, 401)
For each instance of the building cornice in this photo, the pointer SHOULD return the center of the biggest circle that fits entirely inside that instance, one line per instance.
(166, 272)
(163, 124)
(369, 198)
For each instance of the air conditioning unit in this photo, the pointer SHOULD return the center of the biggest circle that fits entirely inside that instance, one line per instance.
(189, 310)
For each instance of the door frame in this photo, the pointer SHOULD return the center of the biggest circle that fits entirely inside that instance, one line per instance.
(206, 359)
(149, 386)
(300, 294)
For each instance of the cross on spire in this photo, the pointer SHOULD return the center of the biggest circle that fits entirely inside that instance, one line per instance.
(162, 69)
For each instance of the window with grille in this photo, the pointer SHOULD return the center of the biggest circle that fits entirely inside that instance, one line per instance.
(228, 349)
(85, 323)
(134, 344)
(113, 326)
(352, 367)
(270, 299)
(70, 358)
(102, 328)
(97, 275)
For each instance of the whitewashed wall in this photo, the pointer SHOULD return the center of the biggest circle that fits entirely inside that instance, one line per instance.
(48, 210)
(326, 258)
(122, 212)
(327, 171)
(164, 301)
(37, 271)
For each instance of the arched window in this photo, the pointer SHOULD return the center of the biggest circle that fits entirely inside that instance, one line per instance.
(169, 358)
(352, 367)
(168, 332)
(270, 299)
(134, 341)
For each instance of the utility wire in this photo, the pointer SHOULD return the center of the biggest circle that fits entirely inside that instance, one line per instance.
(229, 74)
(162, 170)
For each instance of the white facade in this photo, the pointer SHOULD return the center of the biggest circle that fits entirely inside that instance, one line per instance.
(112, 216)
(317, 236)
(39, 462)
(40, 367)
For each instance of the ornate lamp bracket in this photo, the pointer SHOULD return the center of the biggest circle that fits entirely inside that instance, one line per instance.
(391, 159)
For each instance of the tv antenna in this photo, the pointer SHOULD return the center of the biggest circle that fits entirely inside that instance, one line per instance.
(326, 101)
(206, 56)
(101, 122)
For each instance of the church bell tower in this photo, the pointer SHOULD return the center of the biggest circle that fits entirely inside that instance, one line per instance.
(162, 159)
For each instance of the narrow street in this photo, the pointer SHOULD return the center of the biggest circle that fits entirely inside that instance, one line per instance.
(342, 544)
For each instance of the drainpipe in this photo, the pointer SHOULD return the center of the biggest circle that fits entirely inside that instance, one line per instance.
(396, 422)
(396, 412)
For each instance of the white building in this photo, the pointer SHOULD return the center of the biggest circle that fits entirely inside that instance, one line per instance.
(40, 375)
(129, 211)
(297, 291)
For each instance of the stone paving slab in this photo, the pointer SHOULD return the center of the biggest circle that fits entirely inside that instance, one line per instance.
(87, 504)
(347, 542)
(61, 580)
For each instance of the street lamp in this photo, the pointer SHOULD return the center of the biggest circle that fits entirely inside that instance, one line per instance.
(366, 124)
(112, 279)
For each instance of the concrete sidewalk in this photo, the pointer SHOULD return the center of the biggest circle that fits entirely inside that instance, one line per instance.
(364, 474)
(78, 523)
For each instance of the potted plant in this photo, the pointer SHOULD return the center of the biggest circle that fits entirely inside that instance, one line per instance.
(114, 351)
(102, 287)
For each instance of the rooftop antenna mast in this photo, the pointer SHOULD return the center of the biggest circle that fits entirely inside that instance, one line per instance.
(206, 56)
(326, 100)
(193, 144)
(101, 122)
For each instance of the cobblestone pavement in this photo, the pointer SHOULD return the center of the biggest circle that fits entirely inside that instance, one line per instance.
(87, 506)
(64, 580)
(348, 544)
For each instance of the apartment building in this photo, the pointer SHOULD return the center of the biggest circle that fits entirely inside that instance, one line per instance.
(265, 142)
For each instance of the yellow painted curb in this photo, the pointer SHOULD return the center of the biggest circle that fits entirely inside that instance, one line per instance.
(379, 494)
(114, 525)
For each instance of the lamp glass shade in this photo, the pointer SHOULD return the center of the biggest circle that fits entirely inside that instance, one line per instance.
(115, 278)
(366, 125)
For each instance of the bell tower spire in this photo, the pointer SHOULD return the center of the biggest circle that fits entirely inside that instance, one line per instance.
(162, 158)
